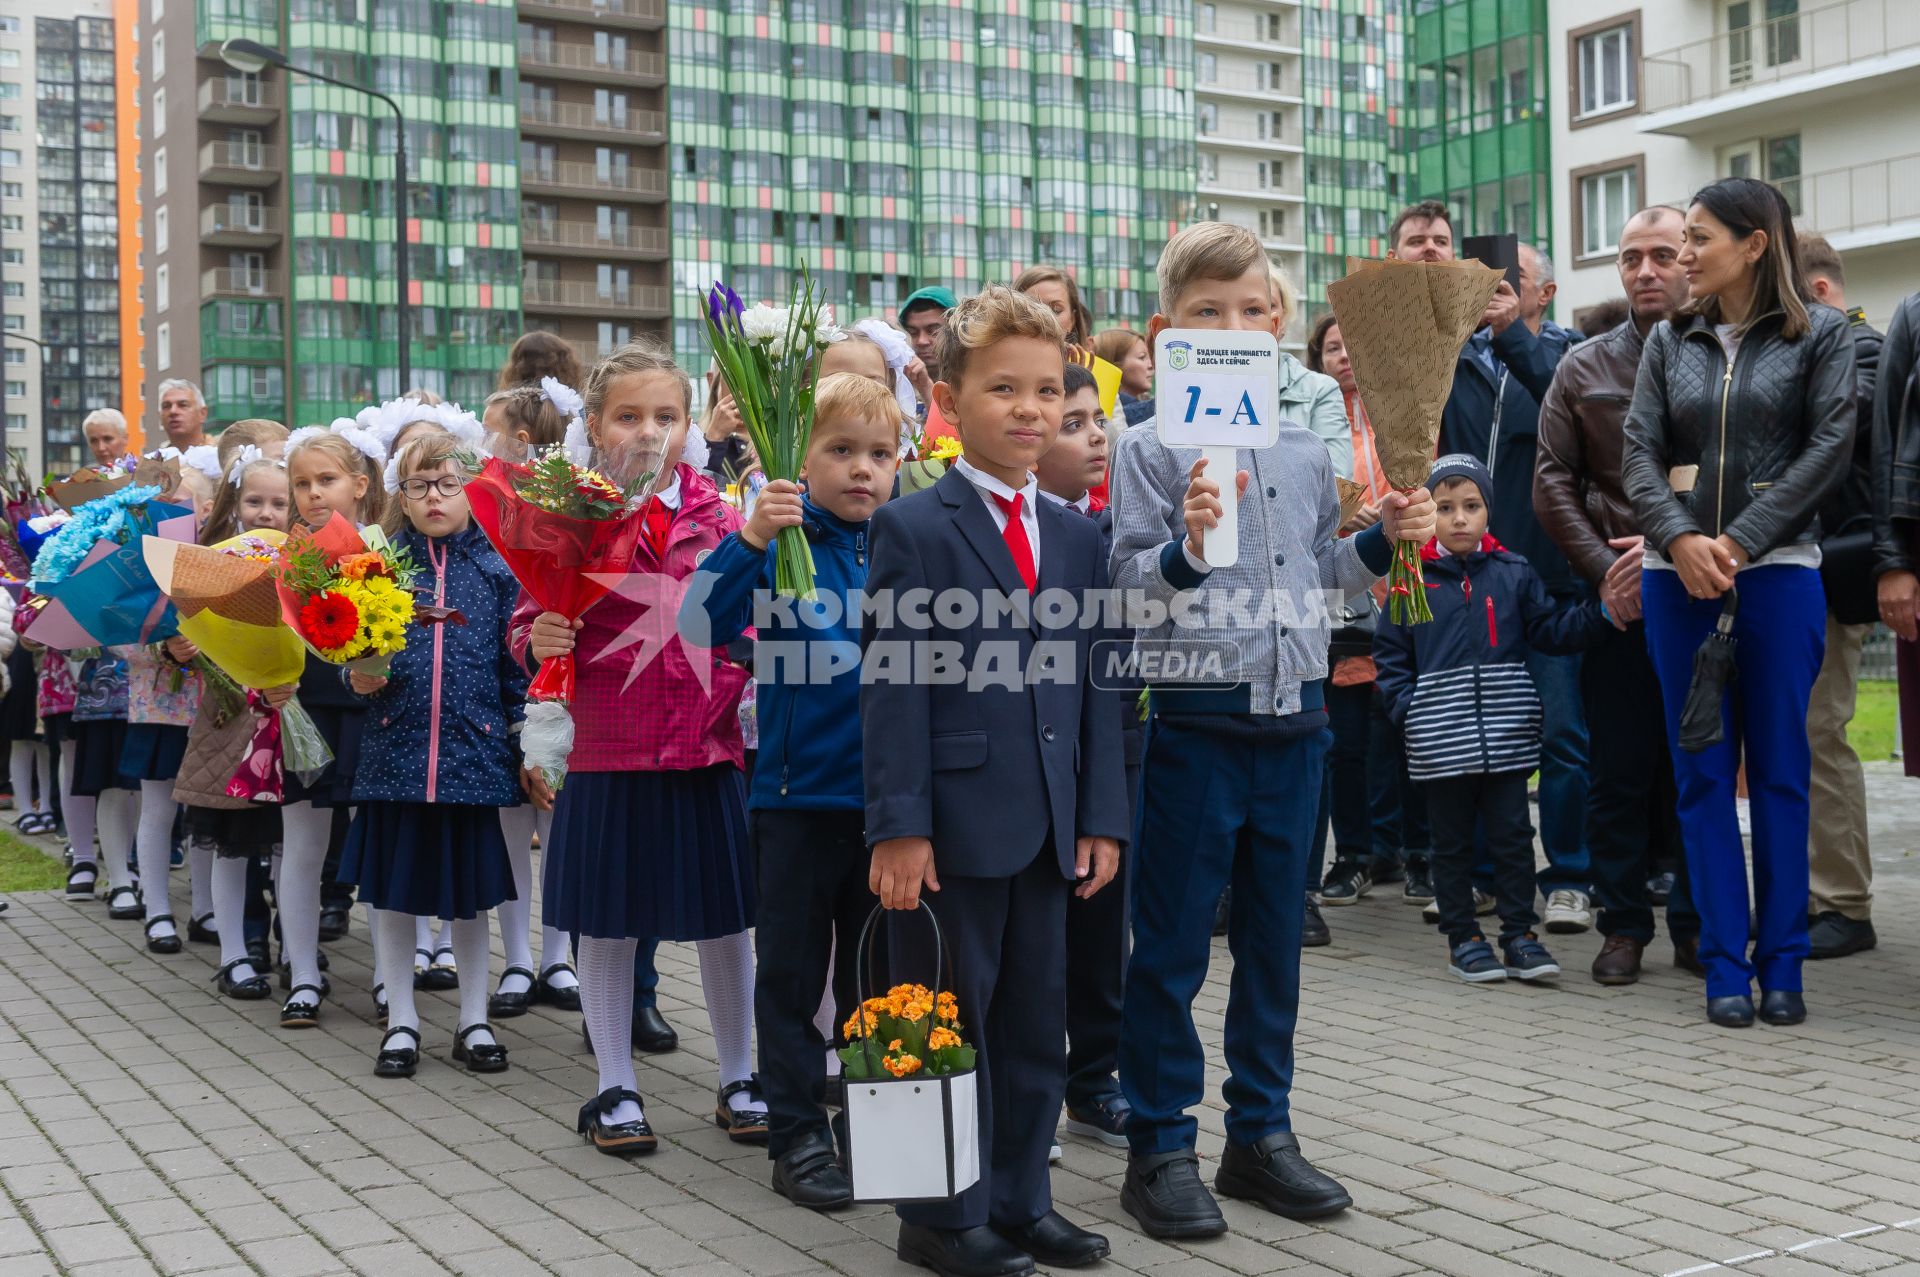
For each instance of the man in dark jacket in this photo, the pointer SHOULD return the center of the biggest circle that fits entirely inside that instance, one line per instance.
(1493, 414)
(1896, 501)
(1631, 825)
(1841, 897)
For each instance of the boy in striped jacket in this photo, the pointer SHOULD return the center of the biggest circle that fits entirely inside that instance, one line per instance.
(1458, 688)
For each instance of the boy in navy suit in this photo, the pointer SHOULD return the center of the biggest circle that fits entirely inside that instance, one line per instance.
(998, 789)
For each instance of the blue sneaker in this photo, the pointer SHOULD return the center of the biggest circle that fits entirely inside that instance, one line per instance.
(1473, 961)
(1528, 959)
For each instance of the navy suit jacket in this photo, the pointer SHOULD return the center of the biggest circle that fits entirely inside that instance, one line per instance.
(987, 771)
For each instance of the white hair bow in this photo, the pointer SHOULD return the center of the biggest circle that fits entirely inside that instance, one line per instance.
(247, 455)
(205, 458)
(899, 353)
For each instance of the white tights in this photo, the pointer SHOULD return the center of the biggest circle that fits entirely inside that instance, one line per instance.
(154, 847)
(229, 891)
(303, 857)
(518, 825)
(79, 811)
(393, 935)
(29, 757)
(117, 812)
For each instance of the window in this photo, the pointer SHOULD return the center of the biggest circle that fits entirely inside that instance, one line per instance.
(159, 171)
(159, 54)
(1605, 71)
(160, 229)
(163, 346)
(161, 289)
(12, 190)
(159, 112)
(1605, 196)
(10, 158)
(1208, 114)
(1778, 24)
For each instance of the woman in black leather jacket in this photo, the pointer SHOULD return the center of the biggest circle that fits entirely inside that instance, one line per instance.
(1742, 422)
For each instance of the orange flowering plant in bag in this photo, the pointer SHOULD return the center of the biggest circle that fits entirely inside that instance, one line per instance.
(908, 1032)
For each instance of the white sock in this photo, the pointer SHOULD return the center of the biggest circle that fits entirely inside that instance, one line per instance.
(726, 977)
(79, 811)
(470, 947)
(382, 960)
(393, 937)
(229, 889)
(555, 944)
(606, 999)
(154, 846)
(516, 916)
(303, 853)
(200, 875)
(443, 942)
(116, 814)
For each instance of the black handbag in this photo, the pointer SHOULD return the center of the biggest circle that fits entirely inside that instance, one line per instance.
(1353, 625)
(1846, 573)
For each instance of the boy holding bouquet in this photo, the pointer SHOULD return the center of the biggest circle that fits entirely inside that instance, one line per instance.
(805, 805)
(995, 790)
(1237, 759)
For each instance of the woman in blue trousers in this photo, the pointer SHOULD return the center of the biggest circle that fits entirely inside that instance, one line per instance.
(1741, 424)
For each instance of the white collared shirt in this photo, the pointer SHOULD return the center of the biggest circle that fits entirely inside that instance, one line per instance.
(989, 487)
(670, 496)
(1084, 505)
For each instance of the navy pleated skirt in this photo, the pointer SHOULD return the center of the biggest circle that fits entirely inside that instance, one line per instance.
(432, 860)
(236, 832)
(19, 709)
(640, 854)
(333, 787)
(153, 752)
(98, 744)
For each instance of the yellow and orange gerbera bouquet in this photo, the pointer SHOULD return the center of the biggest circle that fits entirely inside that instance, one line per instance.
(910, 1031)
(346, 594)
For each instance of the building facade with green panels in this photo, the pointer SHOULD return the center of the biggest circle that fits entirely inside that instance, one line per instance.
(888, 144)
(1356, 134)
(1480, 132)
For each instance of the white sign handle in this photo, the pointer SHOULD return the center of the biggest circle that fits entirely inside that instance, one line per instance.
(1222, 543)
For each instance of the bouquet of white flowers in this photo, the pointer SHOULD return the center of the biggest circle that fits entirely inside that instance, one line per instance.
(767, 353)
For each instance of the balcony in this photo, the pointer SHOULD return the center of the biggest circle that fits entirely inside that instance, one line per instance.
(1868, 205)
(1255, 85)
(559, 59)
(575, 119)
(587, 239)
(612, 15)
(1238, 188)
(590, 181)
(239, 164)
(224, 281)
(1241, 138)
(236, 226)
(224, 101)
(1231, 31)
(566, 296)
(1782, 67)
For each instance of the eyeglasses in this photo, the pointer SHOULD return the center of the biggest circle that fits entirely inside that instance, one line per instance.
(447, 485)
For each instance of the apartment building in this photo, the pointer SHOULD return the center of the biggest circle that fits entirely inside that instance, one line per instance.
(1817, 98)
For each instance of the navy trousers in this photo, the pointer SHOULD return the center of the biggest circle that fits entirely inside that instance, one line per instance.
(1202, 790)
(646, 976)
(1781, 636)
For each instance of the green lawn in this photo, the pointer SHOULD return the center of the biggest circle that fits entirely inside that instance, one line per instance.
(24, 867)
(1871, 731)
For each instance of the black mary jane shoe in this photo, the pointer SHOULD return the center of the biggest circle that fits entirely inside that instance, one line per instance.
(503, 1005)
(251, 989)
(747, 1125)
(561, 997)
(301, 1011)
(163, 944)
(397, 1061)
(380, 1005)
(1058, 1242)
(1735, 1012)
(123, 904)
(200, 932)
(1782, 1006)
(481, 1057)
(438, 975)
(808, 1174)
(83, 880)
(961, 1252)
(625, 1139)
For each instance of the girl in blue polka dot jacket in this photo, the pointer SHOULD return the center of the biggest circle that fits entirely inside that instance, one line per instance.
(440, 757)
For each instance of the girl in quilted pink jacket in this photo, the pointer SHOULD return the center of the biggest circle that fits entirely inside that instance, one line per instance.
(649, 831)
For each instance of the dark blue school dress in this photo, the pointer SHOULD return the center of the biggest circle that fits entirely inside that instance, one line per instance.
(341, 717)
(437, 759)
(99, 727)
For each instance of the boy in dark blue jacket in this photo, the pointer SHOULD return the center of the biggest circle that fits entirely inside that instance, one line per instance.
(1458, 688)
(807, 799)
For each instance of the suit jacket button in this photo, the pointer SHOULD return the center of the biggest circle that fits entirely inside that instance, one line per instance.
(1046, 733)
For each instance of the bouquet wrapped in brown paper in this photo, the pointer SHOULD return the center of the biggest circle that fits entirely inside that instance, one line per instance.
(1404, 324)
(1352, 497)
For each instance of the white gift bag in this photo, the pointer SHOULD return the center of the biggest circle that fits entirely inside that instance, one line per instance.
(911, 1139)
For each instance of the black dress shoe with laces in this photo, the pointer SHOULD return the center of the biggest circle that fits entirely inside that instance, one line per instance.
(652, 1033)
(1782, 1006)
(962, 1252)
(1834, 935)
(1314, 931)
(808, 1174)
(1164, 1193)
(1057, 1242)
(1274, 1173)
(1735, 1012)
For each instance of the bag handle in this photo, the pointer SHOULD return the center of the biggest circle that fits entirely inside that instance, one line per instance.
(863, 957)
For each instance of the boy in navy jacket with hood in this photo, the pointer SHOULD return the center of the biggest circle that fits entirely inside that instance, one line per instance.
(807, 801)
(1458, 688)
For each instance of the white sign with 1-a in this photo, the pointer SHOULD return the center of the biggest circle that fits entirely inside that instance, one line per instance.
(1218, 392)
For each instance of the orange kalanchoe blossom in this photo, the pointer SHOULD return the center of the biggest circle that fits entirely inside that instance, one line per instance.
(941, 1038)
(901, 1065)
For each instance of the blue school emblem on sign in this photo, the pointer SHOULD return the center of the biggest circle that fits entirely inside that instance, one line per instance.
(1179, 354)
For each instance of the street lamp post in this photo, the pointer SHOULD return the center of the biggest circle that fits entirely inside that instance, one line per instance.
(252, 57)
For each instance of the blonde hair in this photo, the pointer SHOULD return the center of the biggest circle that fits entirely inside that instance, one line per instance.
(530, 410)
(421, 395)
(994, 314)
(1115, 344)
(1082, 325)
(111, 416)
(223, 517)
(1286, 298)
(353, 461)
(428, 452)
(1205, 250)
(847, 396)
(633, 359)
(196, 482)
(258, 431)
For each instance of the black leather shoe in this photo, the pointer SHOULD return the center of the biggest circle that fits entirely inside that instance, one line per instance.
(169, 943)
(560, 997)
(397, 1061)
(1222, 911)
(1101, 1117)
(808, 1174)
(1735, 1012)
(1313, 927)
(1834, 935)
(479, 1057)
(200, 931)
(1057, 1242)
(1686, 955)
(623, 1139)
(302, 1011)
(503, 1005)
(1274, 1173)
(1782, 1006)
(962, 1252)
(652, 1033)
(333, 923)
(251, 989)
(1164, 1193)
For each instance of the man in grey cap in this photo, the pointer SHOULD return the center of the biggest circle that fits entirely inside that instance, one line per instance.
(923, 317)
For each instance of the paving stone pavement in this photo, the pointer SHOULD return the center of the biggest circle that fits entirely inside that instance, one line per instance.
(146, 1125)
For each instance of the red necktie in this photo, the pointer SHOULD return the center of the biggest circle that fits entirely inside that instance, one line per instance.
(1016, 537)
(655, 524)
